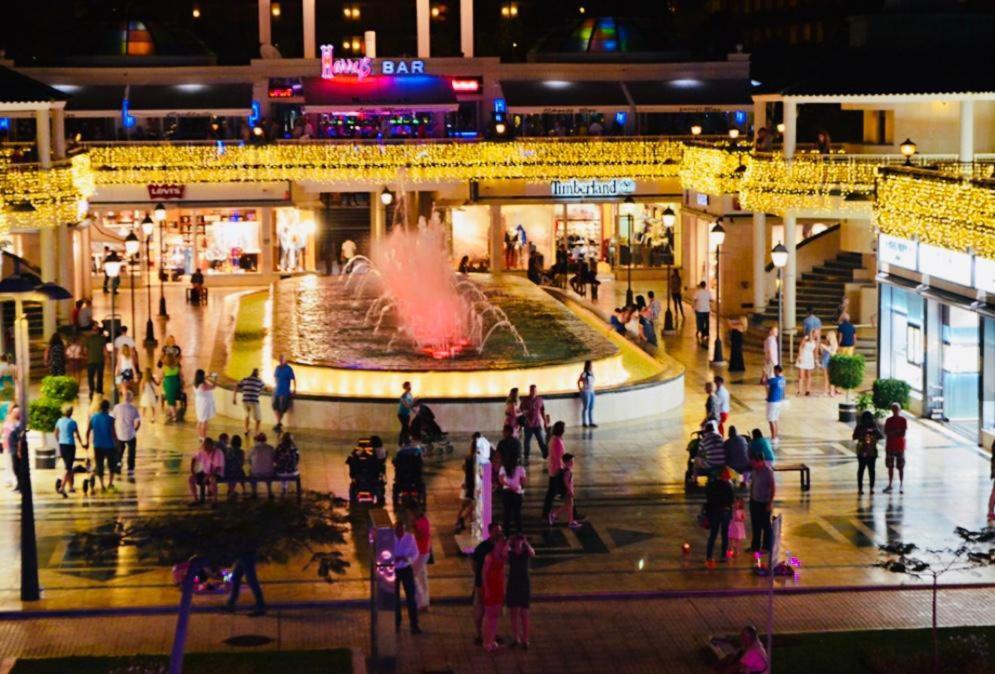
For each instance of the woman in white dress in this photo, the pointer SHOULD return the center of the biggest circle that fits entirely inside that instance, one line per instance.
(203, 391)
(807, 352)
(125, 375)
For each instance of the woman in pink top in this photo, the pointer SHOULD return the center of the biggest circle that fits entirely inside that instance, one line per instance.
(554, 468)
(567, 509)
(512, 411)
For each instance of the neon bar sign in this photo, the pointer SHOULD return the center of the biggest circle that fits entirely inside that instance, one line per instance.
(362, 68)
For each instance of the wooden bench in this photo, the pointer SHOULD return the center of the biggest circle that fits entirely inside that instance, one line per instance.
(802, 470)
(270, 479)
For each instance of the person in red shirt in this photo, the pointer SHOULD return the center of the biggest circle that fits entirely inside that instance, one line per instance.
(894, 448)
(423, 537)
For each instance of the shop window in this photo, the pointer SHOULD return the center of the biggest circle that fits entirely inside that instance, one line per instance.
(901, 337)
(988, 374)
(914, 345)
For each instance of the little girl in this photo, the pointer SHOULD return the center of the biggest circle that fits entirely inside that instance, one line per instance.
(149, 398)
(737, 527)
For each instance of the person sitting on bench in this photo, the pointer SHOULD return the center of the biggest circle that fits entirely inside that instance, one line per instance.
(197, 291)
(262, 463)
(205, 470)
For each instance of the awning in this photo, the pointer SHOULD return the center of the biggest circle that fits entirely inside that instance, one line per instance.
(556, 96)
(427, 93)
(16, 88)
(158, 100)
(94, 100)
(690, 95)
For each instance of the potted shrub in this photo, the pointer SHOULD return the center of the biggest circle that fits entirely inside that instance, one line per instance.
(42, 415)
(61, 388)
(888, 391)
(847, 373)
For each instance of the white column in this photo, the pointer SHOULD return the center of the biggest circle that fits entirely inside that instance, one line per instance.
(265, 27)
(47, 242)
(497, 240)
(466, 28)
(43, 138)
(790, 271)
(424, 25)
(378, 221)
(310, 47)
(266, 264)
(759, 259)
(759, 115)
(84, 262)
(790, 128)
(59, 131)
(966, 131)
(65, 271)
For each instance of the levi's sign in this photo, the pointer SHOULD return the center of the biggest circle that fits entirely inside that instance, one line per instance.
(361, 68)
(592, 188)
(159, 192)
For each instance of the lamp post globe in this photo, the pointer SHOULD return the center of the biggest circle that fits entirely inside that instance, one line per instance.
(718, 236)
(132, 245)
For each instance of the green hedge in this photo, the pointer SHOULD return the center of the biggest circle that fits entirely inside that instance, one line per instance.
(888, 391)
(43, 413)
(846, 372)
(61, 388)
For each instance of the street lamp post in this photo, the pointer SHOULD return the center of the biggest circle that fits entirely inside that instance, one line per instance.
(148, 227)
(669, 220)
(628, 211)
(132, 248)
(159, 215)
(779, 256)
(718, 234)
(112, 267)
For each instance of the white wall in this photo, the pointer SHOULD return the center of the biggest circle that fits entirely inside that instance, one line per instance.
(935, 125)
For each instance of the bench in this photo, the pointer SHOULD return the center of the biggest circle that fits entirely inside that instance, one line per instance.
(268, 480)
(802, 470)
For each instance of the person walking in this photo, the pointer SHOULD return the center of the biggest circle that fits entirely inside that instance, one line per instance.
(675, 290)
(67, 433)
(96, 344)
(894, 447)
(725, 403)
(712, 404)
(585, 384)
(127, 421)
(124, 376)
(719, 498)
(150, 399)
(513, 412)
(536, 422)
(251, 388)
(512, 479)
(283, 391)
(100, 433)
(568, 511)
(493, 591)
(404, 406)
(866, 436)
(762, 492)
(519, 589)
(245, 567)
(55, 356)
(848, 335)
(423, 537)
(772, 354)
(806, 363)
(554, 469)
(172, 385)
(775, 400)
(75, 358)
(203, 398)
(479, 558)
(702, 303)
(405, 554)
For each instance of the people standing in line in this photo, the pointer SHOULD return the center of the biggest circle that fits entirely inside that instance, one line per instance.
(55, 356)
(283, 391)
(513, 411)
(811, 322)
(674, 287)
(519, 589)
(423, 538)
(100, 433)
(207, 468)
(775, 400)
(127, 421)
(536, 422)
(512, 479)
(568, 511)
(702, 302)
(737, 527)
(806, 363)
(772, 353)
(479, 557)
(493, 591)
(245, 567)
(894, 447)
(760, 447)
(404, 406)
(405, 554)
(827, 350)
(762, 492)
(725, 403)
(719, 498)
(251, 388)
(554, 470)
(96, 343)
(585, 384)
(67, 433)
(172, 385)
(203, 391)
(866, 435)
(847, 334)
(150, 399)
(737, 329)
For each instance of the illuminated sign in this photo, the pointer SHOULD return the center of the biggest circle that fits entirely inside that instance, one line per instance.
(592, 188)
(362, 68)
(949, 265)
(165, 192)
(467, 85)
(281, 92)
(899, 252)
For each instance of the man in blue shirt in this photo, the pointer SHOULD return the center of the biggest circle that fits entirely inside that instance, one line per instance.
(67, 433)
(848, 335)
(775, 398)
(104, 441)
(286, 387)
(811, 322)
(404, 406)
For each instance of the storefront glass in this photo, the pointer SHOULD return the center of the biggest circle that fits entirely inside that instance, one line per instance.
(959, 362)
(294, 231)
(902, 344)
(654, 245)
(988, 378)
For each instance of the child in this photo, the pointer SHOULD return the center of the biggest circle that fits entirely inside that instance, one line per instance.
(737, 527)
(76, 358)
(149, 398)
(568, 494)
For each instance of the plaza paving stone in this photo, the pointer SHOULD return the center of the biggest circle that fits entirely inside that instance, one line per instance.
(629, 479)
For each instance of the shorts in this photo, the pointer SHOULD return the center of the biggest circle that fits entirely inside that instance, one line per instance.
(252, 410)
(701, 321)
(281, 404)
(68, 455)
(768, 370)
(847, 350)
(108, 454)
(773, 411)
(895, 460)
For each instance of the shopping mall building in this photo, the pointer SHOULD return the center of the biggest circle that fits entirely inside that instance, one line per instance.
(272, 168)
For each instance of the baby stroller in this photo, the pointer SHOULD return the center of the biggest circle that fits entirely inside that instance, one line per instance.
(367, 472)
(427, 429)
(696, 467)
(409, 485)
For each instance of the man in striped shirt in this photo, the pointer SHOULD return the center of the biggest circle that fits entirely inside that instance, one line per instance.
(713, 447)
(250, 388)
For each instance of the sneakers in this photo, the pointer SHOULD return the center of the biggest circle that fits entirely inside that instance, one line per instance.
(886, 490)
(58, 485)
